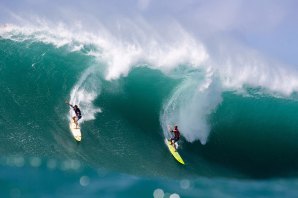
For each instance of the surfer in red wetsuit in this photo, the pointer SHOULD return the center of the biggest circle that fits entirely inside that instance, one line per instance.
(176, 136)
(77, 112)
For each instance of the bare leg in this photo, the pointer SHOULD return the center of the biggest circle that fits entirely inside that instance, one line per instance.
(173, 143)
(175, 147)
(75, 121)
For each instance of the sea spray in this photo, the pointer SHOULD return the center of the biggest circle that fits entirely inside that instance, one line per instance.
(85, 92)
(158, 50)
(190, 104)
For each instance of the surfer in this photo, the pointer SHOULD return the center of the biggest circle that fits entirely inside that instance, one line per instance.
(176, 136)
(77, 112)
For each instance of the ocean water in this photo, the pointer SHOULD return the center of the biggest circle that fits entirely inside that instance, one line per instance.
(238, 122)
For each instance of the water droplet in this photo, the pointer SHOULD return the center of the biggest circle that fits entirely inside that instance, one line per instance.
(175, 195)
(158, 193)
(84, 181)
(35, 162)
(185, 184)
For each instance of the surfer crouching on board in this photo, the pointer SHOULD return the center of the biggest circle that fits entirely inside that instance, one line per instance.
(77, 112)
(176, 136)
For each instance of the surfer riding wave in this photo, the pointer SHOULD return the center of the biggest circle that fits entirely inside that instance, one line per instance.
(77, 111)
(176, 137)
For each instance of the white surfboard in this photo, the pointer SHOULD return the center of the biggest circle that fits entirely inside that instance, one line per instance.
(76, 131)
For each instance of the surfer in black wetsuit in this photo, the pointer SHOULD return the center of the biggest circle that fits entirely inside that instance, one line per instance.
(77, 112)
(176, 136)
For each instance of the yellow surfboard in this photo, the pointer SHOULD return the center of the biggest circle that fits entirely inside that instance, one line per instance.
(75, 131)
(174, 152)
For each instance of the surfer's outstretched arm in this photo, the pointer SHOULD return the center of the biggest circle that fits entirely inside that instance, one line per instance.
(68, 103)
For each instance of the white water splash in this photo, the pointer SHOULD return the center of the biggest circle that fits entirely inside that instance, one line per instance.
(84, 93)
(189, 109)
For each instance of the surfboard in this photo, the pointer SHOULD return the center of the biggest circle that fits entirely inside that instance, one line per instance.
(76, 132)
(174, 152)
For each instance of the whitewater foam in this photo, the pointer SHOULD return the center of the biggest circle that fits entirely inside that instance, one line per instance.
(120, 53)
(239, 67)
(190, 105)
(85, 92)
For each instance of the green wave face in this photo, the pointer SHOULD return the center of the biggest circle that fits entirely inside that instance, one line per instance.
(124, 120)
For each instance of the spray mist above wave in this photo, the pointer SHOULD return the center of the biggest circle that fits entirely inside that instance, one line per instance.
(240, 67)
(121, 50)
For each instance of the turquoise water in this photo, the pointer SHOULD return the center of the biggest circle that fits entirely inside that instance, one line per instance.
(68, 178)
(251, 148)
